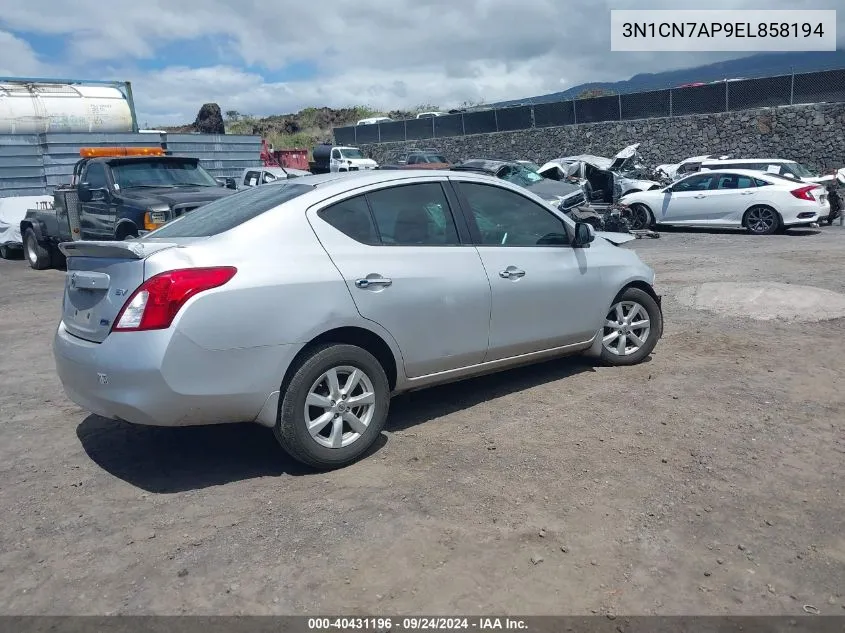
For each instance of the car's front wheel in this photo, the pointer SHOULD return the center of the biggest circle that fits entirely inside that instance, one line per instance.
(334, 407)
(632, 327)
(641, 217)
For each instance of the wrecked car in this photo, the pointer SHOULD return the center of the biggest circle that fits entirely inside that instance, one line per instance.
(605, 179)
(561, 195)
(674, 171)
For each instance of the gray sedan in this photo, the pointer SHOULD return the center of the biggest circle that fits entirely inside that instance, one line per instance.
(305, 305)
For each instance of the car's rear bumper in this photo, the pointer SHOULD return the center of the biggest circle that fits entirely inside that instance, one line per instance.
(162, 378)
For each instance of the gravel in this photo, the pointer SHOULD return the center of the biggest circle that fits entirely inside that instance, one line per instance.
(135, 520)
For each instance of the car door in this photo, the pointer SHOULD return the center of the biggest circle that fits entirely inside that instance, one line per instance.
(545, 294)
(410, 270)
(687, 201)
(97, 216)
(733, 194)
(334, 165)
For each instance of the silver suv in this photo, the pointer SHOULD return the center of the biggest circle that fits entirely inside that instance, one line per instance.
(303, 305)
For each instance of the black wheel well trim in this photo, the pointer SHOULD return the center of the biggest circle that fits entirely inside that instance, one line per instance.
(350, 335)
(765, 206)
(125, 223)
(640, 285)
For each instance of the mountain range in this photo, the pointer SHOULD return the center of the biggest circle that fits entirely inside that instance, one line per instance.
(759, 65)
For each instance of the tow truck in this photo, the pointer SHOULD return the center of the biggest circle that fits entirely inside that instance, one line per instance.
(117, 193)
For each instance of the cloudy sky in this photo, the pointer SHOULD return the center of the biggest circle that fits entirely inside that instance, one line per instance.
(276, 56)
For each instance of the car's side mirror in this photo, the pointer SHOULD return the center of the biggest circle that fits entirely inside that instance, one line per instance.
(230, 183)
(84, 192)
(87, 193)
(584, 234)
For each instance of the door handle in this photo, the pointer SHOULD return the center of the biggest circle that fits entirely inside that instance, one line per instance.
(701, 195)
(511, 272)
(747, 193)
(378, 281)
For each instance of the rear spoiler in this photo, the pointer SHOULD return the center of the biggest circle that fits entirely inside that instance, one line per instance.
(113, 249)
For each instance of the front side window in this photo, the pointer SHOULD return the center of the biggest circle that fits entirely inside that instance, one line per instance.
(336, 153)
(694, 183)
(414, 215)
(505, 218)
(251, 178)
(95, 176)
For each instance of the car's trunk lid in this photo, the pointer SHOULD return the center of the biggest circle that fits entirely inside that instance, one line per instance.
(100, 278)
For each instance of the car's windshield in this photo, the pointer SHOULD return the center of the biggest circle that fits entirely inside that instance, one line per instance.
(521, 175)
(351, 153)
(798, 169)
(161, 173)
(228, 212)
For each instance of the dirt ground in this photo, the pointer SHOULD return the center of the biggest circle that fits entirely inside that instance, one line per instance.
(706, 481)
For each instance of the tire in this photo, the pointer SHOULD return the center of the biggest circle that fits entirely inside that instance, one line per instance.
(762, 220)
(633, 303)
(641, 217)
(291, 428)
(37, 255)
(125, 232)
(4, 252)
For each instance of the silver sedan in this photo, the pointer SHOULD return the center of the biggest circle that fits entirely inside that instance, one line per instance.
(304, 305)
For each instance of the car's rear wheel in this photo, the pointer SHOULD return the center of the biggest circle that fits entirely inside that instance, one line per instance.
(633, 326)
(334, 407)
(762, 220)
(37, 255)
(641, 217)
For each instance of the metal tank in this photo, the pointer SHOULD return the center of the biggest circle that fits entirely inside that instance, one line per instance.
(38, 106)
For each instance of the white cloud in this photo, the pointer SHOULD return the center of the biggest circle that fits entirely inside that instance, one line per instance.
(17, 57)
(387, 55)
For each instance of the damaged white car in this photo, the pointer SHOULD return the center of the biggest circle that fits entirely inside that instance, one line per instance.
(674, 171)
(782, 166)
(605, 179)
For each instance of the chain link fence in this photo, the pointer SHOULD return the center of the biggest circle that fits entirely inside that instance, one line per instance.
(723, 96)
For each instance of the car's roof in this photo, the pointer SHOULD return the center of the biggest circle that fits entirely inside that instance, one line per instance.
(483, 164)
(373, 176)
(752, 173)
(747, 160)
(136, 159)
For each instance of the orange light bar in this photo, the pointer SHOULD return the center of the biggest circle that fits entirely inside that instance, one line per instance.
(100, 152)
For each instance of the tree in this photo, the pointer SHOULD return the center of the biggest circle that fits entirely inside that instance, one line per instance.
(591, 93)
(233, 115)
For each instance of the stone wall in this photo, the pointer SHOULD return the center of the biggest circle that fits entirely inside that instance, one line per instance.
(810, 134)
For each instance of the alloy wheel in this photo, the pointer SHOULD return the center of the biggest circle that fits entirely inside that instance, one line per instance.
(761, 220)
(340, 406)
(640, 217)
(626, 329)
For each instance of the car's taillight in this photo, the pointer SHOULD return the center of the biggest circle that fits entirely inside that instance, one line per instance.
(154, 305)
(804, 192)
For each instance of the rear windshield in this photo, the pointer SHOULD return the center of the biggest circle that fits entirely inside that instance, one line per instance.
(226, 213)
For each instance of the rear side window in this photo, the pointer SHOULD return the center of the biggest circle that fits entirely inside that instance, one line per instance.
(230, 211)
(414, 215)
(352, 218)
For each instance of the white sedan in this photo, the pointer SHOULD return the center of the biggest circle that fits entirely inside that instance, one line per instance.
(760, 202)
